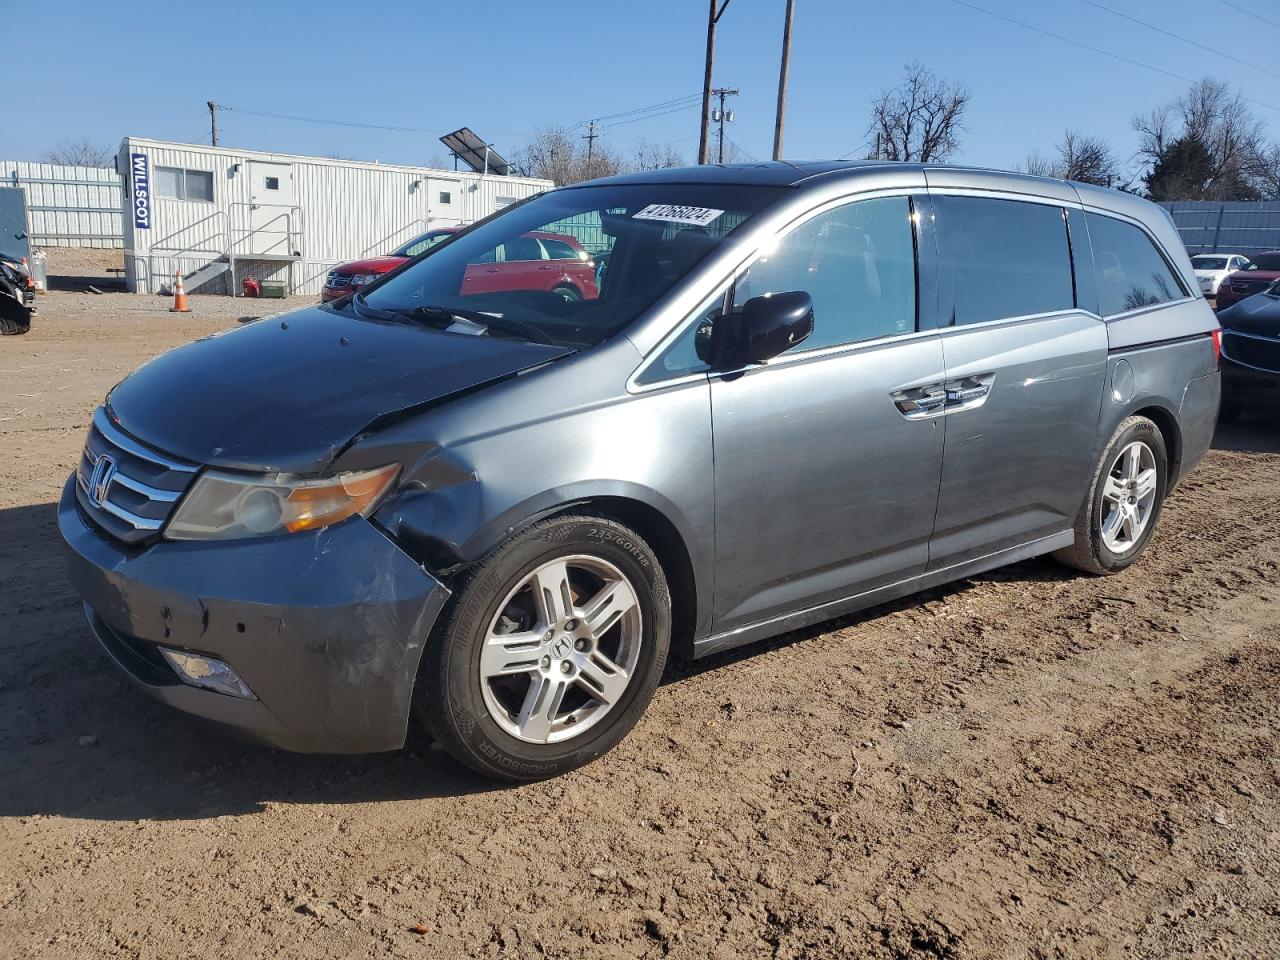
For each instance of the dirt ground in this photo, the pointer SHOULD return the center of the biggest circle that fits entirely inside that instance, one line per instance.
(1028, 763)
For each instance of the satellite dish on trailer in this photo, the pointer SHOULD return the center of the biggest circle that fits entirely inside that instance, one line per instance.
(475, 153)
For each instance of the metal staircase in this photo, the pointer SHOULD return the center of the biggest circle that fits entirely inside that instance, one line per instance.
(223, 248)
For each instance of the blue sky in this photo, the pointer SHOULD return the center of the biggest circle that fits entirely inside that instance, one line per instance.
(505, 68)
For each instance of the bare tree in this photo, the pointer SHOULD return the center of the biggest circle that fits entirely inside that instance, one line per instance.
(1210, 113)
(1079, 157)
(560, 156)
(653, 156)
(919, 120)
(80, 153)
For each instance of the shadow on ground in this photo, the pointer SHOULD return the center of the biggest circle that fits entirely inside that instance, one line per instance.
(79, 740)
(69, 283)
(1252, 433)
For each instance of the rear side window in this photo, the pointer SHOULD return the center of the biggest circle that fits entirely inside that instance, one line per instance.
(1004, 258)
(522, 248)
(858, 263)
(559, 250)
(1132, 273)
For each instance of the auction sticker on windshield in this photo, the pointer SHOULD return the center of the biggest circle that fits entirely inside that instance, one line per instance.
(676, 213)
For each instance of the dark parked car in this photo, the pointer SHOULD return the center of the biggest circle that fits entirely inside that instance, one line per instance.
(803, 389)
(553, 262)
(1263, 270)
(1251, 354)
(17, 297)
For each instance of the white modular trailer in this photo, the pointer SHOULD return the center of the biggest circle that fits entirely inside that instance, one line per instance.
(218, 214)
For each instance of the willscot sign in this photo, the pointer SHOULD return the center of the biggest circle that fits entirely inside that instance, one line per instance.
(141, 177)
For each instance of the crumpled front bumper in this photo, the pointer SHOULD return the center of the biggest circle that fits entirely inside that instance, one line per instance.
(326, 628)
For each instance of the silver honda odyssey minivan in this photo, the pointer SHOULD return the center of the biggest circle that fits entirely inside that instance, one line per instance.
(489, 511)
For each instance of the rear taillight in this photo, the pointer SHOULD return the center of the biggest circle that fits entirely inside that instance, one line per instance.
(1217, 347)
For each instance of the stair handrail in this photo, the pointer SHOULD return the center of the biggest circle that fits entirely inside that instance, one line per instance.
(293, 227)
(177, 253)
(238, 241)
(226, 233)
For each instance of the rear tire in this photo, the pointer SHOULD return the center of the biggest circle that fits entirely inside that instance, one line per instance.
(575, 676)
(569, 293)
(1117, 520)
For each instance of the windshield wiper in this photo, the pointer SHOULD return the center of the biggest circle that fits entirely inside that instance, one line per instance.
(506, 324)
(447, 315)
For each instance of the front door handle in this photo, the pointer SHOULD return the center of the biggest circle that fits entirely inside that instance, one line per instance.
(920, 402)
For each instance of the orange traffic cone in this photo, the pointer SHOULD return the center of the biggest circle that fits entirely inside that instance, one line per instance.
(179, 296)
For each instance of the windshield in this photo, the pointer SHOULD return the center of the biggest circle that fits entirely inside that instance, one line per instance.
(577, 264)
(1265, 261)
(425, 242)
(1209, 263)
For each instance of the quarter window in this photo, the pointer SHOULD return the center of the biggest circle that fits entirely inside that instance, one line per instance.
(1004, 258)
(858, 264)
(1131, 271)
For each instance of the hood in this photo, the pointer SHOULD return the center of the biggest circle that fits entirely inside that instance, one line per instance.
(1209, 273)
(372, 265)
(289, 392)
(1258, 314)
(1252, 276)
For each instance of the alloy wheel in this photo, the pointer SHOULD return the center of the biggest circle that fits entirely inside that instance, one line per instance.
(561, 651)
(1128, 497)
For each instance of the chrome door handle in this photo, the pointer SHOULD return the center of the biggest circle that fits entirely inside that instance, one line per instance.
(966, 394)
(920, 402)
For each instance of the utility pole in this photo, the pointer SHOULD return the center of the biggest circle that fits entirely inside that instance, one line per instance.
(717, 10)
(722, 117)
(783, 72)
(213, 123)
(590, 137)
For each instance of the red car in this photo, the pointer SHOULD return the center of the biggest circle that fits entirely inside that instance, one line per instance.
(1260, 274)
(554, 262)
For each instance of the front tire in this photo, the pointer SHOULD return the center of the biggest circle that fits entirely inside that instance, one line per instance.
(550, 651)
(1124, 503)
(14, 320)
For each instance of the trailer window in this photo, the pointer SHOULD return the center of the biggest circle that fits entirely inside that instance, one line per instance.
(175, 183)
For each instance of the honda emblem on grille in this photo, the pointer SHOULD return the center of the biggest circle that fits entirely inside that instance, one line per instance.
(104, 471)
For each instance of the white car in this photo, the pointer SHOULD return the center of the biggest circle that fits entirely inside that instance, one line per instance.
(1212, 268)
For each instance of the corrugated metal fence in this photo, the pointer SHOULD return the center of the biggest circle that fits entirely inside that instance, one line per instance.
(1208, 226)
(68, 206)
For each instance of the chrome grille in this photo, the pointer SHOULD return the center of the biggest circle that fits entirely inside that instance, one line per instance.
(336, 279)
(127, 488)
(1261, 353)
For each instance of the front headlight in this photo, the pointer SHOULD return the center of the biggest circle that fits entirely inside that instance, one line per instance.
(360, 279)
(226, 506)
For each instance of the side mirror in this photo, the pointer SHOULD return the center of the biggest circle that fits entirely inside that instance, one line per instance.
(765, 327)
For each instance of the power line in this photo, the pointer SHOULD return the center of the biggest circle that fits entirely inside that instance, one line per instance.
(653, 106)
(1252, 13)
(742, 150)
(1177, 36)
(653, 116)
(1087, 46)
(336, 123)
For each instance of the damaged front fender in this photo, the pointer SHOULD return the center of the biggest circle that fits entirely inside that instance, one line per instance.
(326, 628)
